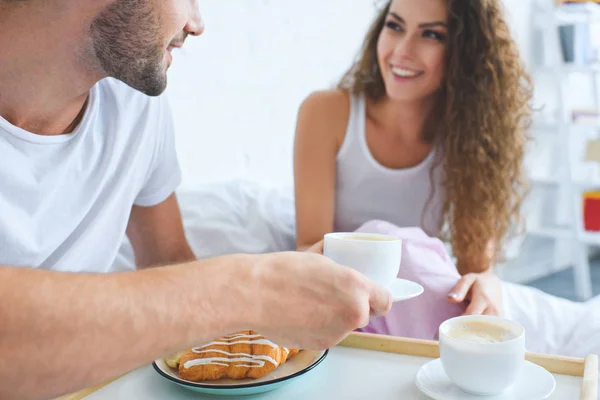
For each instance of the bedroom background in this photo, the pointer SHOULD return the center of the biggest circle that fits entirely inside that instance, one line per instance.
(235, 92)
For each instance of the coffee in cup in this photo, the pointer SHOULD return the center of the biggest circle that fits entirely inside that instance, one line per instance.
(482, 355)
(377, 256)
(480, 332)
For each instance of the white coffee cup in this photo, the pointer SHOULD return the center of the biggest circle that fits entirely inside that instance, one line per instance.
(376, 256)
(484, 364)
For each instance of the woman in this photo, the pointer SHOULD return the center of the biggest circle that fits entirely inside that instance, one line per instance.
(426, 129)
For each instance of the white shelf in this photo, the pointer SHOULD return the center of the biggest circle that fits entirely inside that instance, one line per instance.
(545, 180)
(569, 69)
(570, 14)
(587, 237)
(551, 232)
(569, 241)
(544, 125)
(584, 13)
(551, 180)
(553, 125)
(591, 238)
(587, 185)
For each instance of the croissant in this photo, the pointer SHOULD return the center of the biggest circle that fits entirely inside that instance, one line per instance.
(242, 355)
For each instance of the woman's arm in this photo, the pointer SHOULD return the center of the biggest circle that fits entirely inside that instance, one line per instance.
(321, 126)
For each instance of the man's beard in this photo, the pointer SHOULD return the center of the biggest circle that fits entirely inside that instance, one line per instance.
(128, 45)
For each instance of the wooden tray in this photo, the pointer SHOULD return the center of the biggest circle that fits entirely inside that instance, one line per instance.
(587, 369)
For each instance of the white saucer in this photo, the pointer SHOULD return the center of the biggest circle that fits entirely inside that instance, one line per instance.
(402, 289)
(534, 383)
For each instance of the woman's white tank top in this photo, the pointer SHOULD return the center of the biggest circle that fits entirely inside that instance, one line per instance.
(367, 190)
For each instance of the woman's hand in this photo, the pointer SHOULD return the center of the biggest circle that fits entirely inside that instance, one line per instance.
(316, 248)
(482, 290)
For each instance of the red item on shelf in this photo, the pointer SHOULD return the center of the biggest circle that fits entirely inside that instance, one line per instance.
(591, 211)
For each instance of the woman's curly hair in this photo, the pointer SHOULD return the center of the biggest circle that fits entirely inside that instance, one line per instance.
(483, 112)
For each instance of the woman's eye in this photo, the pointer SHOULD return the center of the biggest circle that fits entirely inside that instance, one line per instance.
(393, 26)
(434, 35)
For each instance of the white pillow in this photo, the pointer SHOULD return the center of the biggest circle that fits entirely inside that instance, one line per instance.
(232, 217)
(238, 217)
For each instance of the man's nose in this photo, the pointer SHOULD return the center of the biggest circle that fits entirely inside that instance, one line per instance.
(195, 24)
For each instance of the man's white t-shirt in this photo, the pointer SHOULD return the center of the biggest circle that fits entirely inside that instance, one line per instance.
(65, 200)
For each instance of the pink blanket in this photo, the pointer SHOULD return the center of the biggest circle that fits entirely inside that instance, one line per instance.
(425, 261)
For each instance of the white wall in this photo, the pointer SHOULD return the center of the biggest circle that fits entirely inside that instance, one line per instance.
(235, 91)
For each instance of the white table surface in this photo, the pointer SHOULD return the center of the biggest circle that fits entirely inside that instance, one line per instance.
(346, 373)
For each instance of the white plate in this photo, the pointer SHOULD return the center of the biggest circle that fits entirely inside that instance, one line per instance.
(534, 383)
(291, 370)
(402, 289)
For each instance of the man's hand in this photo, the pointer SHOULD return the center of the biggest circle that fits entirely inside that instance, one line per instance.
(482, 290)
(304, 300)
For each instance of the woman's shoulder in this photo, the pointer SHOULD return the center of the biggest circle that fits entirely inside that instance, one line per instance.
(327, 109)
(334, 101)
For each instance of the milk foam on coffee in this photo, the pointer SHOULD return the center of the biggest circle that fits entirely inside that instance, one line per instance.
(369, 237)
(480, 332)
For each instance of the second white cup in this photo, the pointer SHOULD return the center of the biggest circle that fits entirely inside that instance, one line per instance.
(482, 355)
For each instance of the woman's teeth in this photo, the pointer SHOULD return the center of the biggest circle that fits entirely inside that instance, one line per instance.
(404, 73)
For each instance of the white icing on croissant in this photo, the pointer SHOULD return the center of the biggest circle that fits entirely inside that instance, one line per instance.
(250, 360)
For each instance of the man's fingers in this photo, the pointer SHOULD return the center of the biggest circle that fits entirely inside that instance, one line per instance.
(380, 300)
(461, 289)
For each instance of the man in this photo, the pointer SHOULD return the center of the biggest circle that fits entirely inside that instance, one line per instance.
(84, 160)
